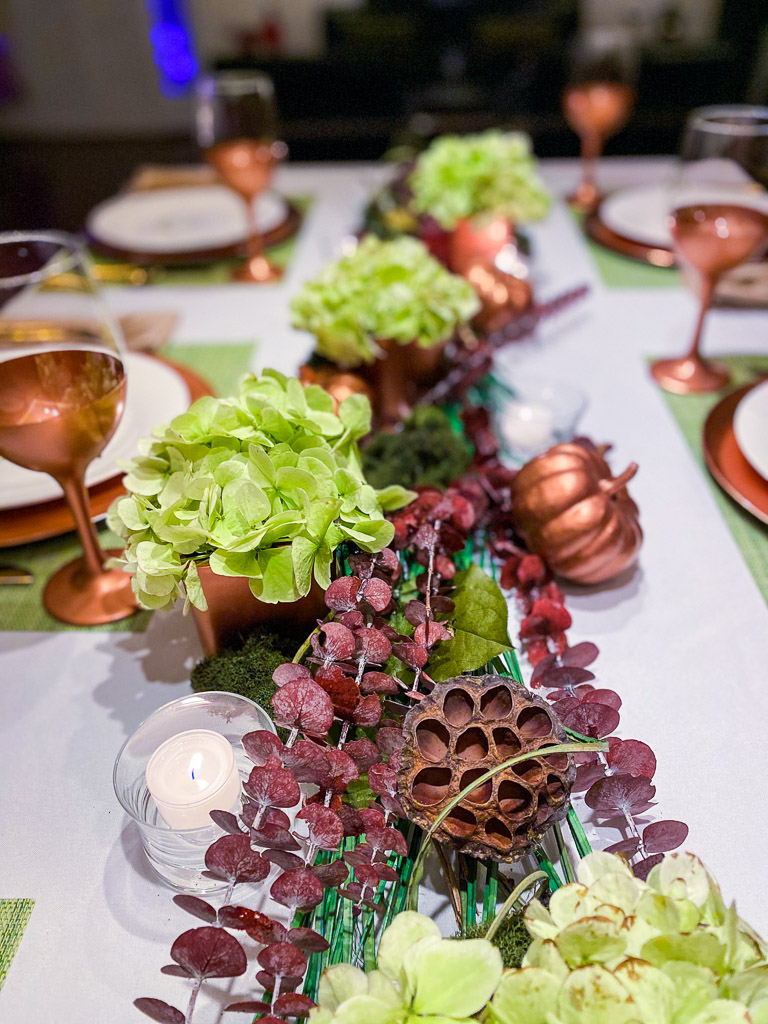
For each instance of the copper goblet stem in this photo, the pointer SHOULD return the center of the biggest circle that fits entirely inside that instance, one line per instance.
(587, 196)
(83, 592)
(256, 267)
(691, 373)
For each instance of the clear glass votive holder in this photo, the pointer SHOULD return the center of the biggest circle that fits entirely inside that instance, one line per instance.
(532, 413)
(178, 854)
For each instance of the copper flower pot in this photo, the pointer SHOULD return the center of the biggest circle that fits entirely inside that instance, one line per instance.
(233, 611)
(474, 242)
(398, 377)
(339, 383)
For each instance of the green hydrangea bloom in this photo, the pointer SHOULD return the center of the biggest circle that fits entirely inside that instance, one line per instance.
(265, 484)
(491, 173)
(385, 290)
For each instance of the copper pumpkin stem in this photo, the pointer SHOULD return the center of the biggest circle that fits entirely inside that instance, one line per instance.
(611, 487)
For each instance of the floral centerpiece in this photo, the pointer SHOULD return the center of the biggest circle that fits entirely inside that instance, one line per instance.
(263, 485)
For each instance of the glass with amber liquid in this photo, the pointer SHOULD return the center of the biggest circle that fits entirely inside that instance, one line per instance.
(62, 393)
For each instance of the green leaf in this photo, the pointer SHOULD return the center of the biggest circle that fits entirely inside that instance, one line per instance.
(591, 940)
(277, 583)
(480, 623)
(340, 983)
(526, 996)
(394, 497)
(406, 930)
(450, 977)
(723, 1011)
(591, 995)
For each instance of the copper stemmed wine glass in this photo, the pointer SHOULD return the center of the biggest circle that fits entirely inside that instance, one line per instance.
(236, 127)
(597, 102)
(718, 219)
(62, 393)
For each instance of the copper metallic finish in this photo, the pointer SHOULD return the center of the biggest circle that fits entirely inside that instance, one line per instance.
(725, 461)
(501, 295)
(477, 240)
(599, 232)
(398, 377)
(339, 384)
(233, 611)
(52, 518)
(568, 508)
(709, 238)
(474, 246)
(464, 727)
(595, 111)
(80, 596)
(247, 166)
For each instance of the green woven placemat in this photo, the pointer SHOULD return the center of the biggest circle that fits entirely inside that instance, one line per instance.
(21, 607)
(14, 915)
(221, 271)
(621, 272)
(690, 411)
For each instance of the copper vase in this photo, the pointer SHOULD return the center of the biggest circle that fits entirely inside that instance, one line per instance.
(478, 241)
(399, 376)
(233, 611)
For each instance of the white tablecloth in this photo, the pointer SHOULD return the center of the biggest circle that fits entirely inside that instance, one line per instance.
(682, 640)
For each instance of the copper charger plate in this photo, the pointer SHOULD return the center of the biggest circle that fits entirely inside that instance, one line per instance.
(281, 233)
(52, 518)
(656, 256)
(725, 461)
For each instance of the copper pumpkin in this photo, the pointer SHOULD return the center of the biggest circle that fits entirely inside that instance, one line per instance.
(569, 509)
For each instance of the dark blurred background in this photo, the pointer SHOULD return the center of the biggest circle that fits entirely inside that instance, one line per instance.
(89, 89)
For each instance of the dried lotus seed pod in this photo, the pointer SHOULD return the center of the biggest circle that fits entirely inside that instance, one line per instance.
(453, 736)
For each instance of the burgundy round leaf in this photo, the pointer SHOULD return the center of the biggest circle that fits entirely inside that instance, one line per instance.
(209, 953)
(226, 821)
(389, 739)
(261, 745)
(376, 593)
(386, 873)
(609, 697)
(661, 836)
(307, 761)
(231, 857)
(290, 673)
(372, 817)
(351, 820)
(588, 774)
(272, 932)
(244, 918)
(274, 837)
(297, 890)
(194, 905)
(542, 666)
(271, 785)
(591, 720)
(627, 847)
(270, 816)
(565, 676)
(341, 596)
(643, 868)
(247, 1006)
(282, 958)
(308, 940)
(631, 757)
(268, 982)
(351, 619)
(415, 612)
(293, 1004)
(324, 826)
(378, 682)
(429, 637)
(372, 645)
(620, 794)
(337, 643)
(382, 779)
(580, 655)
(287, 861)
(363, 752)
(393, 805)
(564, 705)
(162, 1012)
(341, 688)
(304, 705)
(367, 875)
(353, 891)
(411, 654)
(363, 853)
(342, 770)
(175, 971)
(331, 875)
(388, 840)
(367, 713)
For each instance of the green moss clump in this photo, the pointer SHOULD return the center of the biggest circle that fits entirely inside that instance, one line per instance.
(248, 669)
(512, 939)
(425, 453)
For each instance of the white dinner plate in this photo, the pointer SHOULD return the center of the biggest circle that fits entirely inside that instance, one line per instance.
(181, 220)
(750, 425)
(155, 394)
(639, 214)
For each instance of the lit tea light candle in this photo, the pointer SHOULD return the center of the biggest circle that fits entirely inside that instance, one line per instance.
(192, 774)
(527, 426)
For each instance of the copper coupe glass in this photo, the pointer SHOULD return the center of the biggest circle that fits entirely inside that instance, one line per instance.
(597, 102)
(718, 219)
(62, 393)
(236, 127)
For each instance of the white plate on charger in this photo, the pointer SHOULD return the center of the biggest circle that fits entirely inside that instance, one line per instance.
(750, 425)
(181, 220)
(639, 214)
(155, 394)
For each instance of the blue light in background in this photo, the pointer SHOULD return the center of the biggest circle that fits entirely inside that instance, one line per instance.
(172, 45)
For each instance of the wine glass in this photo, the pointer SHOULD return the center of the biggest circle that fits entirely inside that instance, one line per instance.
(62, 393)
(597, 102)
(718, 219)
(236, 127)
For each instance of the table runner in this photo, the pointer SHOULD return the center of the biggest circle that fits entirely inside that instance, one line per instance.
(690, 411)
(14, 915)
(219, 272)
(21, 607)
